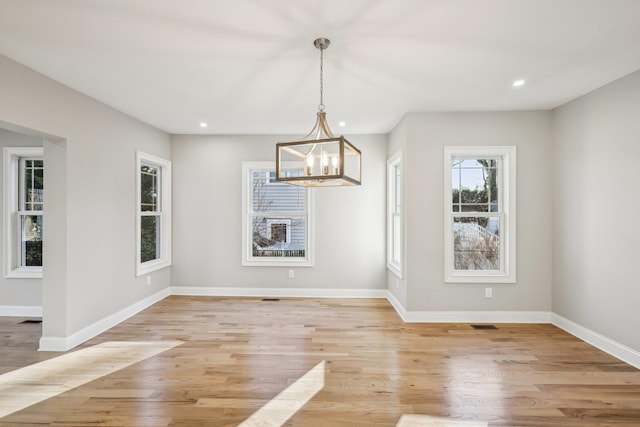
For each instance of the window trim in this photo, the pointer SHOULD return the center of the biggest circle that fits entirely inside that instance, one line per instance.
(247, 255)
(12, 157)
(165, 213)
(507, 273)
(395, 161)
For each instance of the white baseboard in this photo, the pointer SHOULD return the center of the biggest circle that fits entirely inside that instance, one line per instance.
(601, 342)
(468, 316)
(278, 292)
(477, 317)
(85, 334)
(396, 305)
(54, 344)
(614, 348)
(20, 311)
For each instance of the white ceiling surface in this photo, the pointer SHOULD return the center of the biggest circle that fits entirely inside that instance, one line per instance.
(249, 66)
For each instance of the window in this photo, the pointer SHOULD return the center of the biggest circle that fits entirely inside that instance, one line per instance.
(394, 214)
(24, 211)
(276, 218)
(479, 192)
(153, 222)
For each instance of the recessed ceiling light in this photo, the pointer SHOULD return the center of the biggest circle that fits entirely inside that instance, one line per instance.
(518, 83)
(203, 125)
(342, 124)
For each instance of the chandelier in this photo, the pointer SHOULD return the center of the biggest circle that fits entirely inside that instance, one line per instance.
(320, 159)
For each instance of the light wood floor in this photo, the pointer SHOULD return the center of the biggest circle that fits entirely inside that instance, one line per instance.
(238, 355)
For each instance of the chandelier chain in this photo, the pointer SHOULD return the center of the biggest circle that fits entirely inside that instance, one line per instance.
(321, 106)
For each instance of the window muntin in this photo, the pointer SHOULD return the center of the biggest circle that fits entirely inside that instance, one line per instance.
(153, 236)
(480, 214)
(394, 215)
(24, 211)
(276, 218)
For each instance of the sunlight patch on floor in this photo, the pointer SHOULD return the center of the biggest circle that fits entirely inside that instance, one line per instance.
(35, 383)
(282, 407)
(429, 421)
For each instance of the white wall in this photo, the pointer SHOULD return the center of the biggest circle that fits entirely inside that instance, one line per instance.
(17, 292)
(596, 199)
(349, 221)
(427, 134)
(90, 208)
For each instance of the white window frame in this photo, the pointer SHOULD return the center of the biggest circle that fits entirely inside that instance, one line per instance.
(12, 229)
(247, 221)
(507, 215)
(164, 213)
(395, 214)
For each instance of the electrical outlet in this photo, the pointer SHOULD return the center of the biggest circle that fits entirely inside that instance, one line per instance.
(148, 280)
(291, 274)
(488, 292)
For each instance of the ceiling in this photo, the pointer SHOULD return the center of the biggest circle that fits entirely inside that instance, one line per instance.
(249, 66)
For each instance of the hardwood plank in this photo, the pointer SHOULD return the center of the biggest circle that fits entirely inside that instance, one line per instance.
(235, 355)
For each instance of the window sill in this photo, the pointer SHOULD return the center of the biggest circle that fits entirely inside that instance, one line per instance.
(151, 266)
(277, 263)
(480, 278)
(25, 273)
(395, 269)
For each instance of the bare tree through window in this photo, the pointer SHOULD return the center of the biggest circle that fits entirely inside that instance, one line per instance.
(278, 217)
(476, 208)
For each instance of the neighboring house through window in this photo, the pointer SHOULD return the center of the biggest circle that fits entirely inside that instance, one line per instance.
(279, 230)
(24, 211)
(153, 222)
(276, 219)
(480, 214)
(395, 241)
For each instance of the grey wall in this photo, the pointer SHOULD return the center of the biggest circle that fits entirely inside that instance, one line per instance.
(90, 214)
(595, 205)
(17, 292)
(426, 136)
(207, 218)
(588, 170)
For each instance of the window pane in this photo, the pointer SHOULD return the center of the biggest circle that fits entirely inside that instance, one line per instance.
(149, 238)
(474, 208)
(397, 191)
(33, 185)
(31, 240)
(149, 188)
(492, 184)
(272, 196)
(476, 243)
(279, 236)
(474, 183)
(472, 179)
(396, 238)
